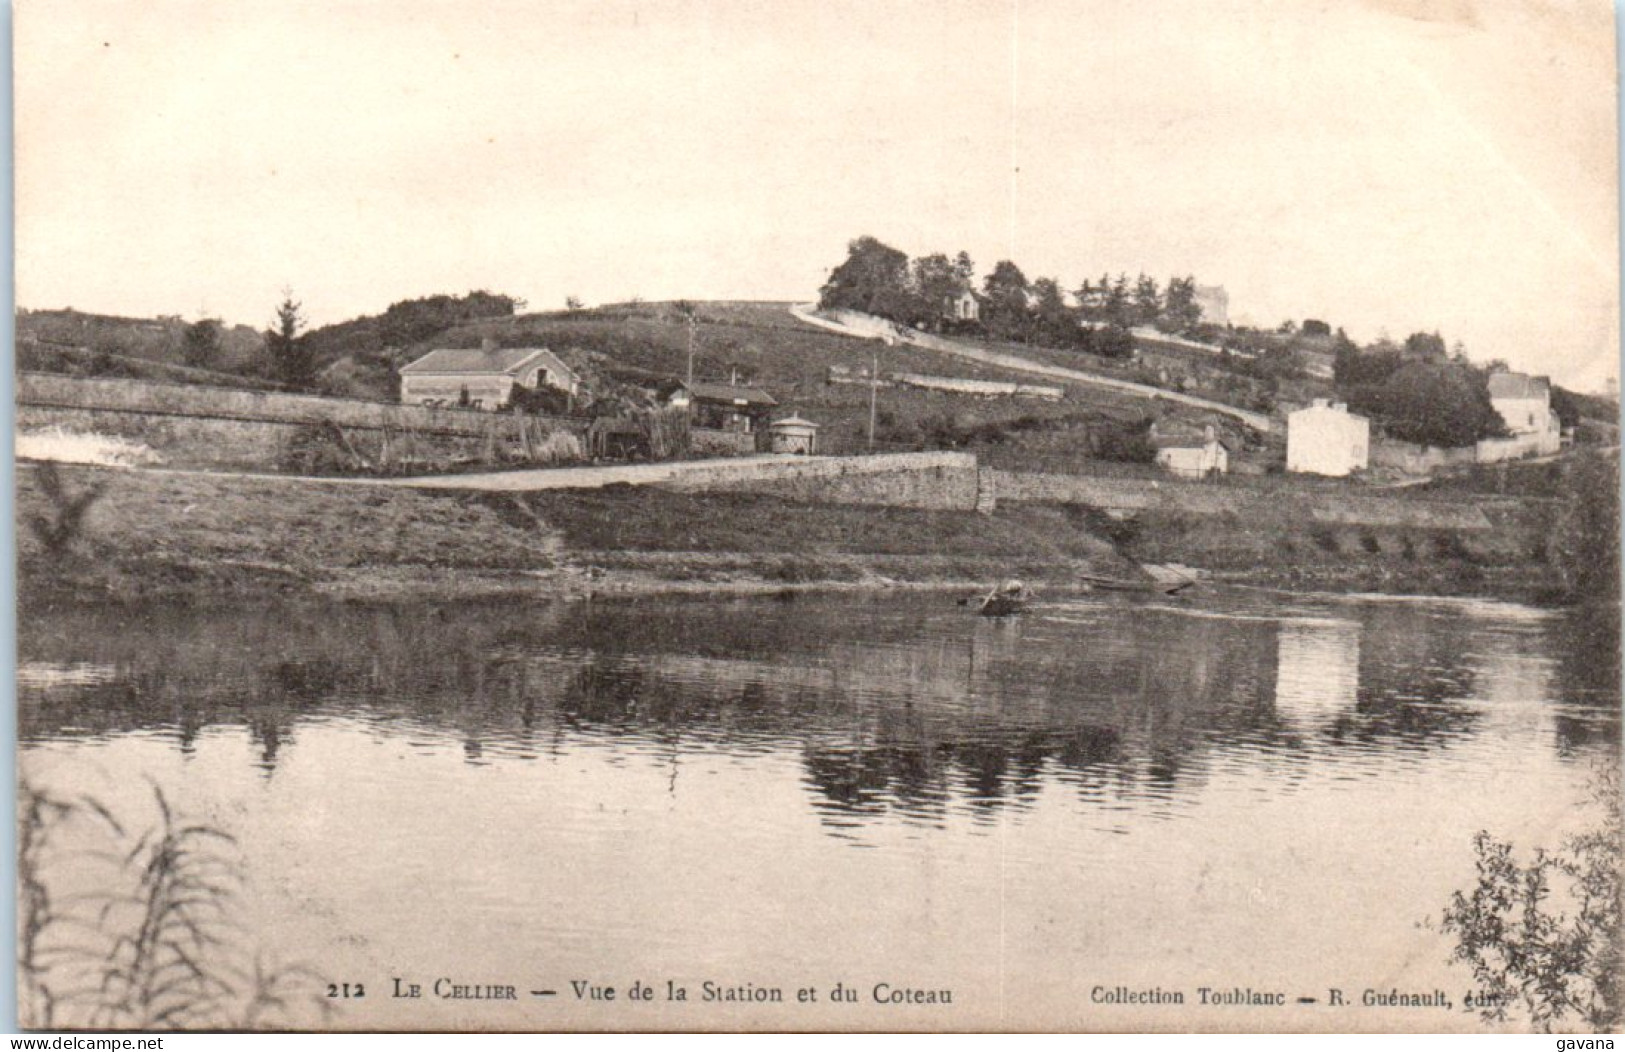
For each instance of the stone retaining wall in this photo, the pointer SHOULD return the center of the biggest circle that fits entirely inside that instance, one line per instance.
(944, 481)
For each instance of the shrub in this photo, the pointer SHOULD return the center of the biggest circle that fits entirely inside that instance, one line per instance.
(1547, 934)
(61, 526)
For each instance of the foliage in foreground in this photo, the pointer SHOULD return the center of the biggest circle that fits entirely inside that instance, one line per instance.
(1546, 935)
(121, 930)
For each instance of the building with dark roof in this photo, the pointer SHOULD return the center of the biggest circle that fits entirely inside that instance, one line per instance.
(725, 407)
(483, 377)
(1524, 402)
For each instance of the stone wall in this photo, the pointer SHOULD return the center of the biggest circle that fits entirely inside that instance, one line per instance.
(1415, 459)
(259, 445)
(204, 427)
(943, 481)
(151, 396)
(1128, 496)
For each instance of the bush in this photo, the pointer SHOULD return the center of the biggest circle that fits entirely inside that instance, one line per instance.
(1547, 935)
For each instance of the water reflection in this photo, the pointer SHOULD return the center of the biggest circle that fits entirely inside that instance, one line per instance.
(906, 708)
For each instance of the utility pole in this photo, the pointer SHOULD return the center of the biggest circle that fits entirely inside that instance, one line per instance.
(691, 348)
(874, 381)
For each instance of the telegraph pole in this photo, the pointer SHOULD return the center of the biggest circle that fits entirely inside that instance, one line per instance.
(874, 382)
(691, 348)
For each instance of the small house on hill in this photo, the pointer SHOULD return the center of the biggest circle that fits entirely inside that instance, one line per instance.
(1214, 303)
(1326, 439)
(964, 307)
(723, 407)
(1193, 457)
(1523, 402)
(483, 377)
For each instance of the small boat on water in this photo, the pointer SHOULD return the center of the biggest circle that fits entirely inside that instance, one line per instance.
(1159, 578)
(1009, 598)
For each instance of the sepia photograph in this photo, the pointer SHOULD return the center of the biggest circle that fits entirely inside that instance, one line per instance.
(831, 516)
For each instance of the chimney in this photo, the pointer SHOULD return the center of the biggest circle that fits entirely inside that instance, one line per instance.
(488, 343)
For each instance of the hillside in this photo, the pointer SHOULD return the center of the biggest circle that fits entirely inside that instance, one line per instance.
(644, 344)
(152, 339)
(760, 342)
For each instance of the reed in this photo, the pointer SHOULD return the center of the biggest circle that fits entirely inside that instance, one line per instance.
(127, 930)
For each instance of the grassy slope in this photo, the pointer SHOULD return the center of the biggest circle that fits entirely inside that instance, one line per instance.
(764, 343)
(154, 533)
(769, 346)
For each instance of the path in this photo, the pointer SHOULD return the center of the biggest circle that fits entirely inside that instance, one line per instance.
(885, 330)
(513, 481)
(593, 478)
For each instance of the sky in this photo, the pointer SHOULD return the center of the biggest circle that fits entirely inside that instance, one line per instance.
(1387, 166)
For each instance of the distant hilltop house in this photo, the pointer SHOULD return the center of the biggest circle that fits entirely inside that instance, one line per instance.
(1215, 304)
(1194, 457)
(723, 407)
(1524, 404)
(1326, 439)
(964, 307)
(483, 377)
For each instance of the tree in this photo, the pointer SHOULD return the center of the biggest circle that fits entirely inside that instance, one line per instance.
(1583, 542)
(964, 269)
(1147, 300)
(1108, 341)
(1051, 304)
(1088, 299)
(201, 345)
(1053, 324)
(1180, 312)
(1006, 292)
(1427, 346)
(292, 357)
(573, 303)
(873, 279)
(1116, 308)
(1435, 405)
(936, 281)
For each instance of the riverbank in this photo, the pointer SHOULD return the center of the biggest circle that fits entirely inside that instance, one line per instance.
(147, 534)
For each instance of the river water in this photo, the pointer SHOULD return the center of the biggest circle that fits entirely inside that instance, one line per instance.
(1236, 791)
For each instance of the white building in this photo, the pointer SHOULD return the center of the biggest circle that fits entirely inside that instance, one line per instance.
(1525, 407)
(1524, 402)
(1195, 458)
(1215, 303)
(483, 377)
(1327, 439)
(965, 306)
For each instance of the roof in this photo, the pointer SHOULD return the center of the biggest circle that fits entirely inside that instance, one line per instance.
(793, 421)
(1319, 406)
(1182, 442)
(476, 361)
(1517, 385)
(731, 394)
